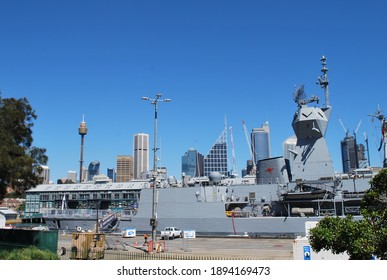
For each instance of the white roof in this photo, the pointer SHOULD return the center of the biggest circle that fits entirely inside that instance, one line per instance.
(133, 185)
(6, 211)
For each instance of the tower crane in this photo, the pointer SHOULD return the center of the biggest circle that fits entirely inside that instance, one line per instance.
(234, 173)
(252, 154)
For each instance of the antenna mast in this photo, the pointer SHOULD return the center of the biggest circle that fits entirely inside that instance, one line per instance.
(383, 119)
(323, 80)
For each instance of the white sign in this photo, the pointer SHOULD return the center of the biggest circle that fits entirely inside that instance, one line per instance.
(189, 234)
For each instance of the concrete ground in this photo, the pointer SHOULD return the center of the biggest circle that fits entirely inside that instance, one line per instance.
(228, 247)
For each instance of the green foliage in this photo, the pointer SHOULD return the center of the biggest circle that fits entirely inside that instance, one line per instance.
(19, 160)
(361, 239)
(30, 253)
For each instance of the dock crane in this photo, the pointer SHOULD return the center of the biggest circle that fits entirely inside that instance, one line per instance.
(252, 152)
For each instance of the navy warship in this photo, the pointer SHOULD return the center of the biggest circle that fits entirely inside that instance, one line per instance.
(283, 195)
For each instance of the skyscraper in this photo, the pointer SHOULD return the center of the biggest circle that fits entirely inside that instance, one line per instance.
(192, 163)
(124, 169)
(72, 176)
(45, 174)
(111, 173)
(260, 141)
(216, 160)
(93, 169)
(352, 154)
(141, 154)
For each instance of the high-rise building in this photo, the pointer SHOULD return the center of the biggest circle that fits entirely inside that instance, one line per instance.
(141, 154)
(72, 176)
(93, 169)
(260, 142)
(288, 147)
(192, 163)
(352, 154)
(216, 160)
(111, 173)
(45, 174)
(85, 174)
(124, 169)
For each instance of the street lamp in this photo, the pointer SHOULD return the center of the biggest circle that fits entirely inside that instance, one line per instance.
(153, 220)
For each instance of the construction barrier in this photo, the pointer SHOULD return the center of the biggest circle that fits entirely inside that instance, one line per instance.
(158, 246)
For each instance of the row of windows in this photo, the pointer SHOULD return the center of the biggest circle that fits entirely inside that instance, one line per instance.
(82, 196)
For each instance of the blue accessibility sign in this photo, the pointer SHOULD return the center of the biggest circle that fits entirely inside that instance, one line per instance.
(307, 253)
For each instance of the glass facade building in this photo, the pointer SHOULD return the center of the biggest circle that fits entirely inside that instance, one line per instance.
(192, 163)
(93, 169)
(216, 160)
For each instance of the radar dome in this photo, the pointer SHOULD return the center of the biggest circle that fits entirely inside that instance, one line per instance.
(215, 177)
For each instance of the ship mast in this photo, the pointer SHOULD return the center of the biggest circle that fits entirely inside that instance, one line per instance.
(323, 80)
(383, 119)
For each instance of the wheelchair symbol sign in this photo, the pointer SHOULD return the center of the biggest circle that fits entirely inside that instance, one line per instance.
(307, 253)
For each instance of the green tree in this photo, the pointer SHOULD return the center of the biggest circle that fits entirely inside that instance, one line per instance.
(360, 239)
(20, 162)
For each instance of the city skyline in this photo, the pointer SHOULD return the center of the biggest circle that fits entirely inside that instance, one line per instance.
(213, 59)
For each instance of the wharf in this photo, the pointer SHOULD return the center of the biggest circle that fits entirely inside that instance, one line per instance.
(223, 247)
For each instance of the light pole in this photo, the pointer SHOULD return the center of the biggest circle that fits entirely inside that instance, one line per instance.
(153, 220)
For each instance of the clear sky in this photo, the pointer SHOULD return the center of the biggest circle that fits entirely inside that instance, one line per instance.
(215, 59)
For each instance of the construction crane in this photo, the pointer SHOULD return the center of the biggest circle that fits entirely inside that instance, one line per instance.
(252, 153)
(345, 129)
(368, 149)
(234, 172)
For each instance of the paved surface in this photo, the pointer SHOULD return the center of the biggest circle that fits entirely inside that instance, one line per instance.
(231, 247)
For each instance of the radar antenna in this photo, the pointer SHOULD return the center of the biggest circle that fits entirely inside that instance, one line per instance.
(383, 119)
(299, 97)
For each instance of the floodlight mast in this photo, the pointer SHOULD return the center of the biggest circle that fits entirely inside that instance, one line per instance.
(153, 220)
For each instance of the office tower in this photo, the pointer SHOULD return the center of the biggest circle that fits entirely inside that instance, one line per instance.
(45, 174)
(141, 154)
(352, 154)
(260, 141)
(93, 169)
(192, 163)
(111, 173)
(72, 176)
(124, 169)
(288, 147)
(216, 160)
(85, 173)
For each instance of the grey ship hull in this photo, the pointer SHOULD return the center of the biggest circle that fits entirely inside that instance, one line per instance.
(203, 209)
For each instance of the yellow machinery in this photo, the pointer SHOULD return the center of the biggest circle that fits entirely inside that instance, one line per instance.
(88, 246)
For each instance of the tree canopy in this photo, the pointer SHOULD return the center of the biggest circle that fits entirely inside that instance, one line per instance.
(361, 239)
(20, 161)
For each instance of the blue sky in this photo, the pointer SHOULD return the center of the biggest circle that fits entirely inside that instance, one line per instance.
(214, 59)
